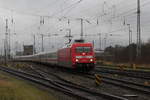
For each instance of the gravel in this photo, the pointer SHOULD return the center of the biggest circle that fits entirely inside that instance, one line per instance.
(90, 83)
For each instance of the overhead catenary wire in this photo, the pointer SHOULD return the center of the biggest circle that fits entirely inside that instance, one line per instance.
(124, 14)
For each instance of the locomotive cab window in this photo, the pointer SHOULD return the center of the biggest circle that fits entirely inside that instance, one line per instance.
(83, 49)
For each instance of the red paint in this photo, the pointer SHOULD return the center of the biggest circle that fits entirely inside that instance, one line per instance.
(69, 54)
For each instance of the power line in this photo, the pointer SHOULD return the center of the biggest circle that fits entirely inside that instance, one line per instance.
(73, 7)
(66, 8)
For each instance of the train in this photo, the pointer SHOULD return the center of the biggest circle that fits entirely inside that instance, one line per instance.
(76, 56)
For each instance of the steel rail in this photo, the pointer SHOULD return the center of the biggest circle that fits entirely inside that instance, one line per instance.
(57, 86)
(77, 86)
(122, 83)
(40, 82)
(124, 73)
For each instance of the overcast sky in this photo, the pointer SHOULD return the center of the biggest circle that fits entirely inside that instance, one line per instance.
(100, 16)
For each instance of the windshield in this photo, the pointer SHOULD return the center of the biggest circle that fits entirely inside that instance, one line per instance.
(83, 49)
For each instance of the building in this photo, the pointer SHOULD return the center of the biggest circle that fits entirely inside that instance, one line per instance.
(28, 50)
(19, 53)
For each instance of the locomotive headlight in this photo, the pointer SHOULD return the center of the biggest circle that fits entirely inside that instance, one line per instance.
(77, 60)
(91, 60)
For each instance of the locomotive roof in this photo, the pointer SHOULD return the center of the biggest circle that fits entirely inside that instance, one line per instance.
(82, 44)
(70, 45)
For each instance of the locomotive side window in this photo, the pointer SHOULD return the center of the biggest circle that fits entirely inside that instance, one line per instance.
(83, 49)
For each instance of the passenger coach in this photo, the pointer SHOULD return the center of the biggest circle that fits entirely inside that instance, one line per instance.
(74, 56)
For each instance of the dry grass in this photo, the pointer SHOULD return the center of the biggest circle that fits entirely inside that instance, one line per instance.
(13, 89)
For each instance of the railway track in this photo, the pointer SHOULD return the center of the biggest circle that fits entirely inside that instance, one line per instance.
(71, 84)
(119, 82)
(123, 83)
(129, 85)
(65, 87)
(129, 73)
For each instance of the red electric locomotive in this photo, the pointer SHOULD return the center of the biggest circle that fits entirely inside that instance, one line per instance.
(77, 56)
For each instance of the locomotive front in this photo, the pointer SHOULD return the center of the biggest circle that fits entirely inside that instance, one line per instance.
(83, 56)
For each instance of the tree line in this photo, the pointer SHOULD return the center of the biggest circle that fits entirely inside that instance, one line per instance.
(127, 54)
